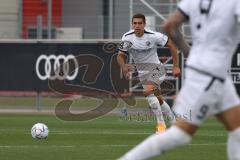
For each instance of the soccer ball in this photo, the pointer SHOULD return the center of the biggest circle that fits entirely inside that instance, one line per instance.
(39, 131)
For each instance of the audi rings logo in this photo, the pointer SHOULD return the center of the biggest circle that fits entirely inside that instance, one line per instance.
(51, 64)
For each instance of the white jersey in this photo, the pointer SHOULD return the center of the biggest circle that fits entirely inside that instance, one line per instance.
(215, 32)
(143, 49)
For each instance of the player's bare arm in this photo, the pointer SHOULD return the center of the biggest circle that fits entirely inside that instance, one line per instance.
(172, 28)
(126, 68)
(174, 52)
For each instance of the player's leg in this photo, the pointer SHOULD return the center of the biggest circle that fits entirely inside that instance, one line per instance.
(154, 104)
(167, 112)
(230, 117)
(188, 108)
(231, 120)
(176, 136)
(157, 80)
(179, 134)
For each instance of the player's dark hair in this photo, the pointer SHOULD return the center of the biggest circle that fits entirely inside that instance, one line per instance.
(139, 15)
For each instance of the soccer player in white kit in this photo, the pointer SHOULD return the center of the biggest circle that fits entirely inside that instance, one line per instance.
(142, 45)
(208, 89)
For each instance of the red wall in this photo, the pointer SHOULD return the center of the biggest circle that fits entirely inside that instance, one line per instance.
(34, 8)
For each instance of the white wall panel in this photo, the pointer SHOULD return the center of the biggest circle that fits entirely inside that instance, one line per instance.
(8, 18)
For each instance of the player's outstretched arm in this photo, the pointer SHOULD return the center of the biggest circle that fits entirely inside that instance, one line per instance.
(172, 27)
(126, 68)
(174, 52)
(121, 59)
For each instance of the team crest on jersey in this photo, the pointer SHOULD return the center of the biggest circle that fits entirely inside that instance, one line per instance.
(148, 43)
(125, 45)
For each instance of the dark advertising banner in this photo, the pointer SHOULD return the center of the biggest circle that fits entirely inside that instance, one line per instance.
(28, 66)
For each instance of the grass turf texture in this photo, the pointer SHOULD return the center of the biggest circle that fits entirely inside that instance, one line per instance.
(49, 102)
(104, 138)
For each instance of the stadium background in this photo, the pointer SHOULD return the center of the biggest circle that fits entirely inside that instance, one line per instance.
(31, 28)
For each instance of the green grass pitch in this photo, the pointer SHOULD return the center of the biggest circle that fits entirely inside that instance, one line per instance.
(104, 138)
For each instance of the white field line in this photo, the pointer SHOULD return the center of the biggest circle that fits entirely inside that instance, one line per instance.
(105, 133)
(35, 146)
(130, 133)
(103, 145)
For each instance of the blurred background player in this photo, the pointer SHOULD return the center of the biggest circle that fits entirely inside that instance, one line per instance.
(208, 89)
(142, 45)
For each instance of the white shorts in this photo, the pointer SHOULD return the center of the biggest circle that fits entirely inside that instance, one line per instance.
(155, 73)
(202, 96)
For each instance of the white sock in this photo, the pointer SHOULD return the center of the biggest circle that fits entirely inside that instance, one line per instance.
(168, 112)
(156, 108)
(158, 144)
(234, 145)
